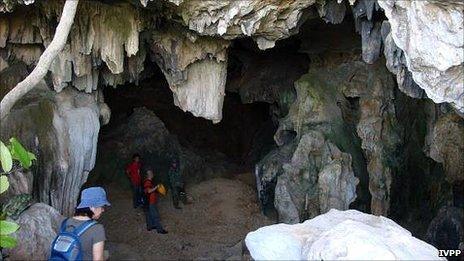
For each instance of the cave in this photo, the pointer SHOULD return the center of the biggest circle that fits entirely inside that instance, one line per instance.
(286, 117)
(235, 144)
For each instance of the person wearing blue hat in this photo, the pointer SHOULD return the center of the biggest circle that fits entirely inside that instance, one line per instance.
(81, 237)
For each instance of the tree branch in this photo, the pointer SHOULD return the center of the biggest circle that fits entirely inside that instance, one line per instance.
(45, 60)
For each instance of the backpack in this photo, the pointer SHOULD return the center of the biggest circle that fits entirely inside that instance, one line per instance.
(67, 245)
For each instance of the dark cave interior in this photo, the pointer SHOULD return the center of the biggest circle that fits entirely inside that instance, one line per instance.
(259, 92)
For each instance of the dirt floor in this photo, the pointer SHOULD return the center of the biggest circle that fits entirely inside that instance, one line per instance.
(213, 227)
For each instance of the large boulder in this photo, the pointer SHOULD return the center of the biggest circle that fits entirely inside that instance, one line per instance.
(144, 133)
(38, 227)
(61, 129)
(338, 235)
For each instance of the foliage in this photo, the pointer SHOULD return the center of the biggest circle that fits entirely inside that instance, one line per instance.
(14, 151)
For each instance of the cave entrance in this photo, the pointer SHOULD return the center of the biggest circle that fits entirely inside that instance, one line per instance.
(218, 159)
(243, 136)
(218, 164)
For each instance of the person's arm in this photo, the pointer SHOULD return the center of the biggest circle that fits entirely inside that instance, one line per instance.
(98, 250)
(153, 189)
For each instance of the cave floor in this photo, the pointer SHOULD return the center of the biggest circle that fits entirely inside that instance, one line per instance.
(223, 212)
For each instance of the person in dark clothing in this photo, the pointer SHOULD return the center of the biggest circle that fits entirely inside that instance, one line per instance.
(133, 172)
(153, 218)
(176, 183)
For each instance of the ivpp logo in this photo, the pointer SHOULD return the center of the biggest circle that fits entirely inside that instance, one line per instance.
(449, 252)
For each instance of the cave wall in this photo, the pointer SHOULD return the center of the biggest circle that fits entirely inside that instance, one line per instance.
(342, 117)
(61, 129)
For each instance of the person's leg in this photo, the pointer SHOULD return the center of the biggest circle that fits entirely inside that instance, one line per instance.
(150, 217)
(182, 195)
(135, 196)
(156, 220)
(175, 196)
(139, 196)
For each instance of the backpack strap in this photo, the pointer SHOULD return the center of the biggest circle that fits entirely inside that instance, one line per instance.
(63, 225)
(82, 228)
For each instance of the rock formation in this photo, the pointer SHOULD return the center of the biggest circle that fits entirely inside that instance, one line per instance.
(266, 22)
(338, 235)
(318, 116)
(346, 136)
(196, 70)
(445, 143)
(39, 225)
(446, 230)
(433, 53)
(62, 130)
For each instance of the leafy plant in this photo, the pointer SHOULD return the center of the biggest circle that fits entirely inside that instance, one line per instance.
(14, 151)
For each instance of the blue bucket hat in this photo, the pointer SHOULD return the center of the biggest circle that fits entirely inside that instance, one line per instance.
(93, 197)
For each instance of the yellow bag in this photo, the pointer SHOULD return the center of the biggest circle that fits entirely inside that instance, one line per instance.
(161, 189)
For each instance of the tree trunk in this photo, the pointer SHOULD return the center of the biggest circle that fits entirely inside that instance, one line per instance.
(45, 60)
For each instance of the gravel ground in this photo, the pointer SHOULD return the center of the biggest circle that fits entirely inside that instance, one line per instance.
(223, 212)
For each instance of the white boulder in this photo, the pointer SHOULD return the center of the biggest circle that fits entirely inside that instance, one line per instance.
(338, 235)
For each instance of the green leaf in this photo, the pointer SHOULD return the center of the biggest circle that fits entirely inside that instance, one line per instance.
(7, 241)
(32, 156)
(7, 227)
(4, 184)
(5, 158)
(20, 153)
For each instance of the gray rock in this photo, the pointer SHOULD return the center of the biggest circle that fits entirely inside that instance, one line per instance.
(62, 131)
(332, 11)
(396, 63)
(371, 41)
(445, 144)
(16, 205)
(38, 227)
(446, 231)
(434, 53)
(265, 22)
(196, 70)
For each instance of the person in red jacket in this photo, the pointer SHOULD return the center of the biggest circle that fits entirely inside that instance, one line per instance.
(153, 219)
(133, 172)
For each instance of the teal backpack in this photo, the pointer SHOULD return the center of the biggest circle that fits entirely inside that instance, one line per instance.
(67, 245)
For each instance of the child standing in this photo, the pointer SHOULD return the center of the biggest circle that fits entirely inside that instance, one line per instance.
(153, 219)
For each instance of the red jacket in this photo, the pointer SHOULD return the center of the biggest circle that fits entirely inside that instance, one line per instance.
(147, 185)
(133, 171)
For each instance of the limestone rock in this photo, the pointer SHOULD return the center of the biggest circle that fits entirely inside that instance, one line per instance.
(203, 92)
(62, 130)
(434, 53)
(266, 76)
(20, 183)
(146, 134)
(332, 11)
(318, 177)
(196, 70)
(445, 144)
(101, 33)
(446, 231)
(338, 235)
(38, 227)
(266, 22)
(329, 134)
(396, 63)
(101, 38)
(378, 130)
